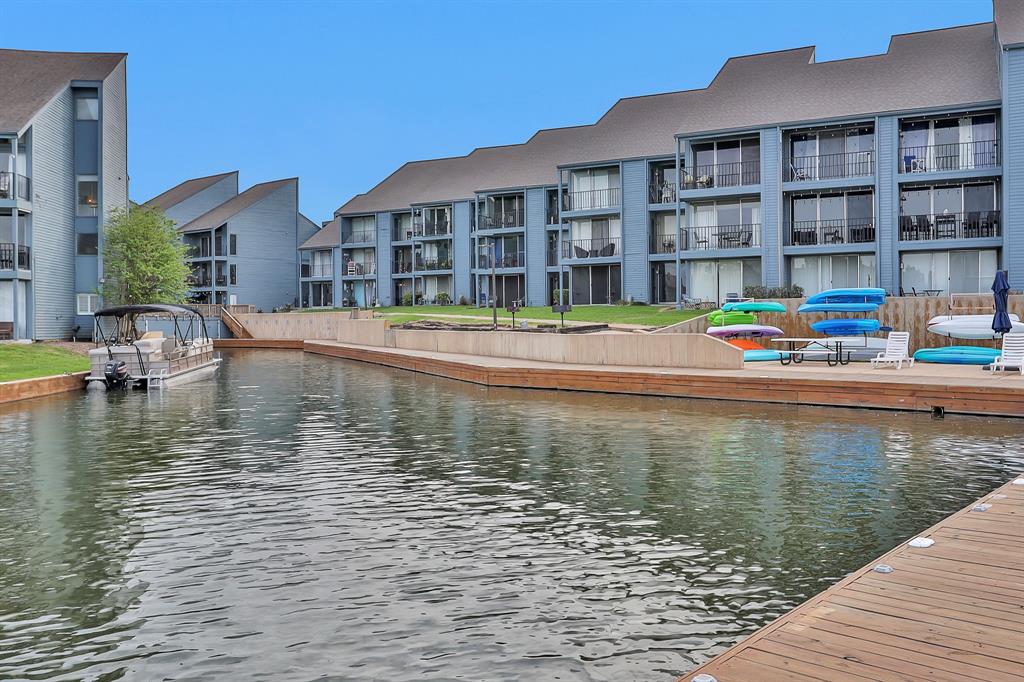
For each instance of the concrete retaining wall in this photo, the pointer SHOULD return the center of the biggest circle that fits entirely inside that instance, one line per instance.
(36, 388)
(298, 325)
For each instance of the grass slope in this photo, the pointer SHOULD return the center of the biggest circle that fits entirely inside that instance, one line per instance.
(27, 361)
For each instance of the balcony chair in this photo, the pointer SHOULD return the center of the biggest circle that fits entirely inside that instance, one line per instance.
(798, 174)
(580, 252)
(608, 250)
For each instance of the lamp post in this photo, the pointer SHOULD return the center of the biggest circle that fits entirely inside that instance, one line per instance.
(494, 277)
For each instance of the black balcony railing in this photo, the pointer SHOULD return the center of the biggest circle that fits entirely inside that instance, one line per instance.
(200, 281)
(735, 174)
(598, 247)
(221, 280)
(829, 166)
(435, 228)
(356, 269)
(321, 270)
(505, 260)
(591, 199)
(430, 264)
(14, 185)
(835, 231)
(357, 237)
(949, 157)
(501, 220)
(723, 237)
(9, 255)
(402, 267)
(663, 243)
(970, 225)
(304, 270)
(661, 193)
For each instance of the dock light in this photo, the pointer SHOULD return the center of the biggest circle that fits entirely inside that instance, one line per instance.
(981, 507)
(703, 677)
(921, 542)
(883, 568)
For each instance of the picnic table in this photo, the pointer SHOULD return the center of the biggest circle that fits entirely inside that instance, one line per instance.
(832, 349)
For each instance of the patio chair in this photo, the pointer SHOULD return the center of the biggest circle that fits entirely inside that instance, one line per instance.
(1012, 354)
(896, 351)
(607, 250)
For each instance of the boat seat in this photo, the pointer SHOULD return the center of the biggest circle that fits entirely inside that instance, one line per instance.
(152, 335)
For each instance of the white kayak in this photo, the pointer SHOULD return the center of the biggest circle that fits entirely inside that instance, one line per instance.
(972, 327)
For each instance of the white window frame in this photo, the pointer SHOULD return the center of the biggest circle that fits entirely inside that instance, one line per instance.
(92, 303)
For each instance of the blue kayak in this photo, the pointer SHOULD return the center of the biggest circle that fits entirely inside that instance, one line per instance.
(762, 355)
(958, 355)
(856, 295)
(845, 327)
(838, 308)
(755, 307)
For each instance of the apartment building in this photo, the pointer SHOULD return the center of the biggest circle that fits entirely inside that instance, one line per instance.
(242, 245)
(900, 170)
(63, 168)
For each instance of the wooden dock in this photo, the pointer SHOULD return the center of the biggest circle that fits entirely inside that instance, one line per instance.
(925, 388)
(952, 612)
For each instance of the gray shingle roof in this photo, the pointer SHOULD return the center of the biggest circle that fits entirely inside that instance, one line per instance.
(221, 214)
(29, 79)
(1009, 15)
(326, 237)
(947, 67)
(184, 190)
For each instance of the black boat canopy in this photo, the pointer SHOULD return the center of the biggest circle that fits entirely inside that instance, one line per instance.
(142, 309)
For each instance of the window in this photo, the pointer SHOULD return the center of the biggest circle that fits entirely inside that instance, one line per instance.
(88, 244)
(818, 273)
(88, 195)
(954, 272)
(304, 263)
(600, 284)
(87, 106)
(713, 280)
(87, 304)
(232, 274)
(233, 245)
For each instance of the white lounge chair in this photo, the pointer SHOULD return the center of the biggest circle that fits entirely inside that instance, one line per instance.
(896, 352)
(1012, 355)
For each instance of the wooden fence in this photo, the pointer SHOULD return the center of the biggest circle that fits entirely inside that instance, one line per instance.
(902, 313)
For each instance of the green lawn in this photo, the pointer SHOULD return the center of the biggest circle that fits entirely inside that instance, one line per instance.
(646, 315)
(25, 361)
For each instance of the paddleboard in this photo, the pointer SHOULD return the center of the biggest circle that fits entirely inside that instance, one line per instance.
(845, 327)
(720, 318)
(958, 355)
(971, 327)
(749, 330)
(855, 295)
(838, 308)
(755, 307)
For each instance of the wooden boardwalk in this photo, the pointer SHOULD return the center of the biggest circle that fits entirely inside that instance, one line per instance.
(954, 389)
(952, 612)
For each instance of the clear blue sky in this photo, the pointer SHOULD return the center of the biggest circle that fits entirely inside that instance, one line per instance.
(342, 93)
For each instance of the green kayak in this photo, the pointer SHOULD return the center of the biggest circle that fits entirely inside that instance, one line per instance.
(754, 307)
(720, 318)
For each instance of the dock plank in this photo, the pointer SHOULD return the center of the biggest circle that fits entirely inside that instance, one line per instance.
(948, 612)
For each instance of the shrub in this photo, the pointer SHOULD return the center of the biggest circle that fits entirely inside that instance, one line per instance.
(564, 294)
(463, 300)
(791, 291)
(407, 299)
(442, 298)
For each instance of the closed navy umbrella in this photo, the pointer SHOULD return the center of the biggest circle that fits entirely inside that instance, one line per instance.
(1001, 292)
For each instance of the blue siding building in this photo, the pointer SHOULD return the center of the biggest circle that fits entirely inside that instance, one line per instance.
(63, 168)
(244, 247)
(902, 170)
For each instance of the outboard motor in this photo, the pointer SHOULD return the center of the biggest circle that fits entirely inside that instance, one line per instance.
(116, 374)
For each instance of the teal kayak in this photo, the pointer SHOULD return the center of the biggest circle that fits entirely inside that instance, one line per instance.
(754, 307)
(958, 355)
(838, 308)
(762, 355)
(851, 327)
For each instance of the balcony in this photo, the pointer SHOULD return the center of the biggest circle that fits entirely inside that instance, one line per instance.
(355, 269)
(502, 220)
(432, 264)
(971, 225)
(591, 199)
(713, 237)
(661, 193)
(13, 185)
(401, 267)
(199, 281)
(357, 237)
(320, 270)
(438, 228)
(600, 247)
(830, 166)
(7, 257)
(734, 174)
(221, 280)
(663, 243)
(835, 231)
(954, 156)
(508, 260)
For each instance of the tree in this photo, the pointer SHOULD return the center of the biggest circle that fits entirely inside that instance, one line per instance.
(144, 259)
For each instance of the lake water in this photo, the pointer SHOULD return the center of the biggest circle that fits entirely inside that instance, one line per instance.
(304, 518)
